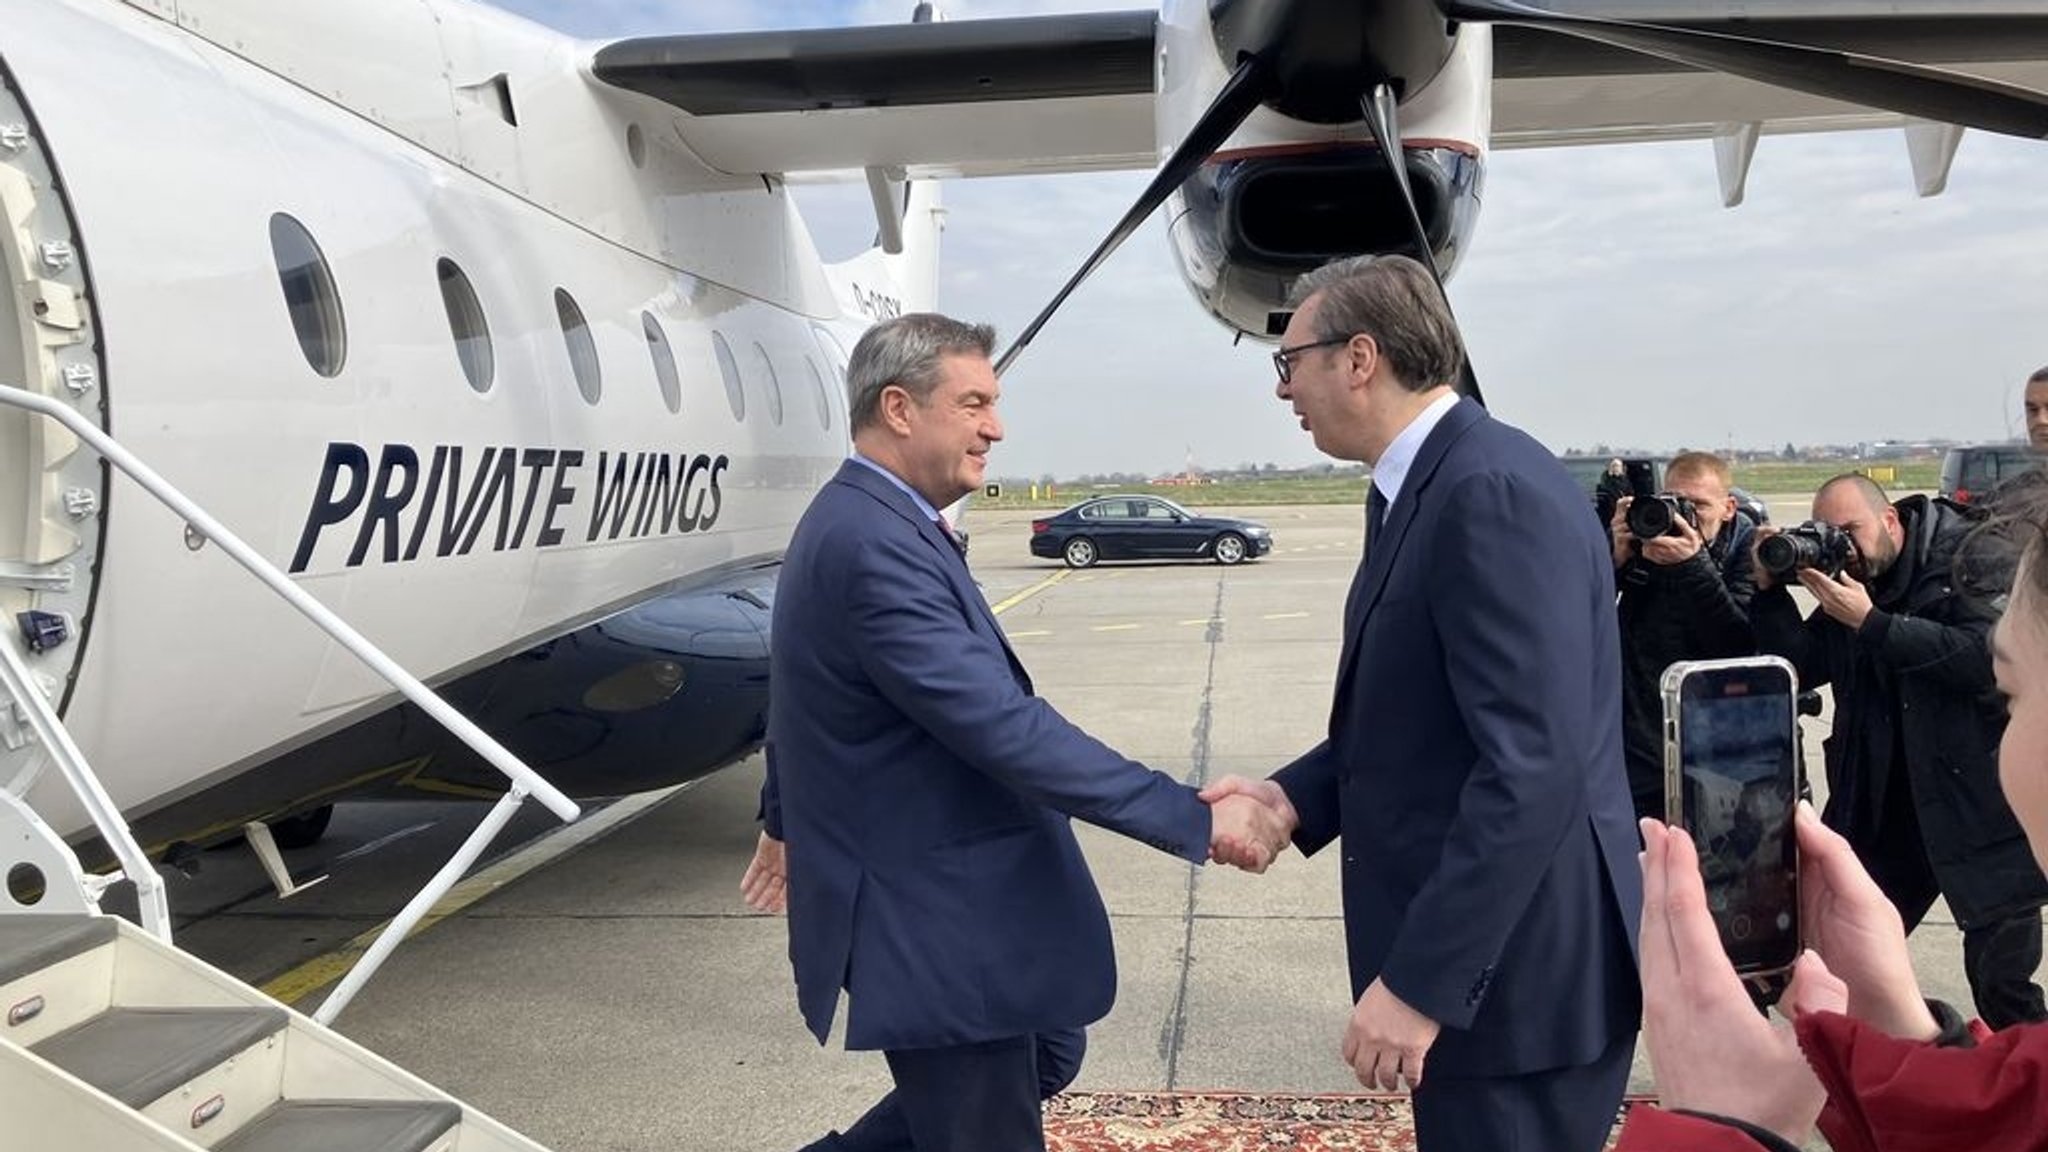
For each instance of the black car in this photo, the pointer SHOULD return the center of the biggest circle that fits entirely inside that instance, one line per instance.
(1974, 470)
(1145, 528)
(1759, 512)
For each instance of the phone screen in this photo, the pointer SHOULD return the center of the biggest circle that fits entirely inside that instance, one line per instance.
(1738, 779)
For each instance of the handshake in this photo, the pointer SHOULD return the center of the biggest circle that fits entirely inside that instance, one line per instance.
(1250, 822)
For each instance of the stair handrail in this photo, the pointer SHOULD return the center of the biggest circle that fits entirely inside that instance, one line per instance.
(150, 899)
(525, 781)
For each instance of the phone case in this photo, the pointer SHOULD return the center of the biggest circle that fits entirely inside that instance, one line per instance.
(1671, 688)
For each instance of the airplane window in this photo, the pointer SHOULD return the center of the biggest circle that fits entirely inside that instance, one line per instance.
(466, 321)
(664, 362)
(735, 394)
(309, 295)
(824, 397)
(582, 349)
(774, 385)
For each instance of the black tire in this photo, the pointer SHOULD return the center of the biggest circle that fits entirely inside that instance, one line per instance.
(1080, 552)
(1231, 548)
(303, 830)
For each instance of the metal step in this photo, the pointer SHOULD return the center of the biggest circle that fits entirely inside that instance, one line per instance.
(345, 1126)
(137, 1055)
(30, 943)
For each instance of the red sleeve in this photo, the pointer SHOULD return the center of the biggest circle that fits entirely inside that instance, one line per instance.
(1650, 1129)
(1902, 1096)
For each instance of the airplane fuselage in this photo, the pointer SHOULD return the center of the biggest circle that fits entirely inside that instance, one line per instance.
(458, 513)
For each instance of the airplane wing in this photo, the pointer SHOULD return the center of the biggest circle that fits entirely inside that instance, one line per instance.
(1551, 90)
(1076, 92)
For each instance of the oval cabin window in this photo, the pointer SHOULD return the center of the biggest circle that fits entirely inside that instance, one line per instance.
(735, 392)
(466, 323)
(309, 295)
(664, 362)
(582, 349)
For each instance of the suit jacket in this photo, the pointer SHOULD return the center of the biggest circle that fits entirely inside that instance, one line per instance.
(924, 793)
(1473, 765)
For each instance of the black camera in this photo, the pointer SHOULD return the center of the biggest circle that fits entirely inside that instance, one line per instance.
(1809, 545)
(1652, 516)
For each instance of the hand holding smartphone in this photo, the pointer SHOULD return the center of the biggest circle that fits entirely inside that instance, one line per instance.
(1731, 780)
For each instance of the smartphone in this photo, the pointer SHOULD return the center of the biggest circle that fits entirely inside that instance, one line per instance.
(1731, 778)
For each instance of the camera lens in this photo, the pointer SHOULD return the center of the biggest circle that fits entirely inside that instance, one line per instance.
(1649, 518)
(1783, 553)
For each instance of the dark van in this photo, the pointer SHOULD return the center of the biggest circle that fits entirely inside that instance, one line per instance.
(1969, 472)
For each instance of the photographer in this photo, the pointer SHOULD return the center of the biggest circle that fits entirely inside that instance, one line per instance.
(1684, 595)
(1911, 769)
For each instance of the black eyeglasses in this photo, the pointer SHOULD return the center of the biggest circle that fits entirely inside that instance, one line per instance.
(1283, 358)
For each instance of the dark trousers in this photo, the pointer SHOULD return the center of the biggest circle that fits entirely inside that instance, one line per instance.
(1999, 956)
(967, 1098)
(1559, 1110)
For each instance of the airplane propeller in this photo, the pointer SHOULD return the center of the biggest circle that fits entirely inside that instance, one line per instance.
(1383, 115)
(1326, 61)
(1247, 88)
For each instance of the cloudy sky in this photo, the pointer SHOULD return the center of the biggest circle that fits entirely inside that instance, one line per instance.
(1607, 297)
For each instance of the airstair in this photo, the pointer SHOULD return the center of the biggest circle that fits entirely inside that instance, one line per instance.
(113, 1039)
(117, 1042)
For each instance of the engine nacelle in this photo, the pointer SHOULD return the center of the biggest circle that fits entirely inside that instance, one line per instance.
(1245, 227)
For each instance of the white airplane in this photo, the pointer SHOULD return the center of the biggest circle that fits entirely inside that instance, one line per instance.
(514, 351)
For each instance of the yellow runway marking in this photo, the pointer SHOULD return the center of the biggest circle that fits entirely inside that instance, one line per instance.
(1115, 627)
(321, 971)
(1033, 632)
(1028, 593)
(1285, 616)
(1203, 620)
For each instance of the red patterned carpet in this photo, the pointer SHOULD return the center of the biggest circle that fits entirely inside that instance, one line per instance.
(1228, 1122)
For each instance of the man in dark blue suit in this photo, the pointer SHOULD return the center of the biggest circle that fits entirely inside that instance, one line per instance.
(1473, 766)
(922, 791)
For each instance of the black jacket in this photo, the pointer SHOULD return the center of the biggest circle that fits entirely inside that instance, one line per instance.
(1696, 610)
(1916, 679)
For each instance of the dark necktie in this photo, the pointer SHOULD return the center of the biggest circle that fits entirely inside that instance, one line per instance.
(952, 537)
(1375, 516)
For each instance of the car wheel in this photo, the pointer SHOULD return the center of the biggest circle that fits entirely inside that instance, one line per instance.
(1230, 548)
(1080, 552)
(303, 830)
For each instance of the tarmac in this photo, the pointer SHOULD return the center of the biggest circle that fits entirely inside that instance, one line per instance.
(618, 996)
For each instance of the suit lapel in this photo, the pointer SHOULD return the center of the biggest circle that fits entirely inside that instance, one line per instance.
(950, 561)
(1371, 580)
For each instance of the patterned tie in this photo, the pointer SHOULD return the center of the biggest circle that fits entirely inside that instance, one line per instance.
(946, 530)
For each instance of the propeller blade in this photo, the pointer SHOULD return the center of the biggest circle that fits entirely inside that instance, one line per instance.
(1247, 87)
(1872, 81)
(1383, 116)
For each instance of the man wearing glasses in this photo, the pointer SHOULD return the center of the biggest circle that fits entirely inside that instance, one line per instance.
(1473, 764)
(1684, 596)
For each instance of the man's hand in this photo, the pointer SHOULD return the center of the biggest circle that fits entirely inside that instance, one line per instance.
(765, 885)
(1254, 827)
(1675, 547)
(1617, 529)
(1844, 600)
(1387, 1041)
(1847, 919)
(1709, 1049)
